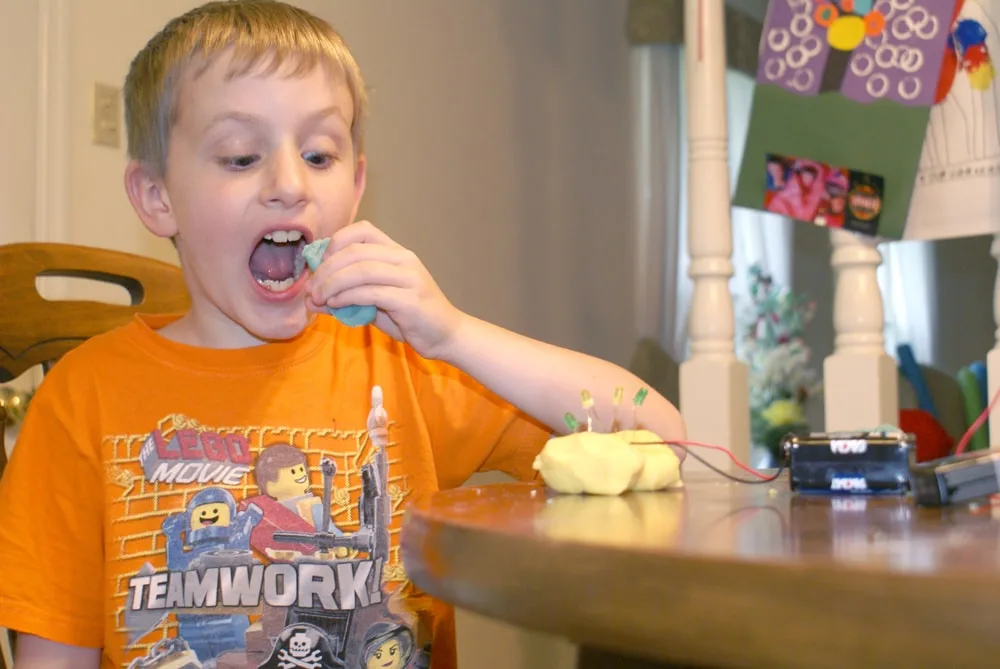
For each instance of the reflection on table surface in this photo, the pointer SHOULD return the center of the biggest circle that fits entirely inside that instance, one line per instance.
(721, 574)
(709, 517)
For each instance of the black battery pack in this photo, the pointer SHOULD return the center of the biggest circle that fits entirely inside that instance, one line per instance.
(850, 463)
(956, 478)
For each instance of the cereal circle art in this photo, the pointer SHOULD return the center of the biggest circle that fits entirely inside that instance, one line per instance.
(910, 60)
(802, 80)
(909, 88)
(825, 15)
(801, 25)
(812, 45)
(862, 64)
(778, 39)
(886, 56)
(797, 57)
(877, 85)
(774, 69)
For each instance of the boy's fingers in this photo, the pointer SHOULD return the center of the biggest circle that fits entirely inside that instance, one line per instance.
(358, 252)
(387, 298)
(351, 256)
(362, 232)
(365, 273)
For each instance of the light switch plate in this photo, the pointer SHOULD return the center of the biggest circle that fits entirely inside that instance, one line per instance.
(105, 128)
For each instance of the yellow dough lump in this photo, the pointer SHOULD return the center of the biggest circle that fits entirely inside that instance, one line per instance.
(607, 464)
(661, 466)
(590, 462)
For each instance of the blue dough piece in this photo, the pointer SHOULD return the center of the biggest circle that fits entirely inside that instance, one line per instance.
(312, 254)
(353, 315)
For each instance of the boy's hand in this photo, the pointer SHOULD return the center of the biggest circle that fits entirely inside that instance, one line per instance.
(362, 265)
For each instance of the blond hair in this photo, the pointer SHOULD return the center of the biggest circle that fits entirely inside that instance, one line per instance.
(259, 32)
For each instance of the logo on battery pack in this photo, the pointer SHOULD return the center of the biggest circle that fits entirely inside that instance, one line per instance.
(848, 446)
(849, 483)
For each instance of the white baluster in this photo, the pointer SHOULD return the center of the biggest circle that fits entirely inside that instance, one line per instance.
(860, 381)
(713, 383)
(993, 357)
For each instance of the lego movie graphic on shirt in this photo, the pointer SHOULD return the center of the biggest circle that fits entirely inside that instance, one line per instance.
(261, 548)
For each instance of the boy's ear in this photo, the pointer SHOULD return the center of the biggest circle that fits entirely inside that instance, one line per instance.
(150, 200)
(360, 181)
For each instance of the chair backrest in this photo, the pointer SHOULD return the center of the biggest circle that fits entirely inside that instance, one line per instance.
(34, 330)
(37, 331)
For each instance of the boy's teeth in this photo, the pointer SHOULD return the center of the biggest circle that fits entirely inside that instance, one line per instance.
(283, 236)
(277, 286)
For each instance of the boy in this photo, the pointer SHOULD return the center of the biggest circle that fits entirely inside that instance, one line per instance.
(136, 527)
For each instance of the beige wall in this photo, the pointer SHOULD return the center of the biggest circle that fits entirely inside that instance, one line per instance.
(18, 94)
(499, 149)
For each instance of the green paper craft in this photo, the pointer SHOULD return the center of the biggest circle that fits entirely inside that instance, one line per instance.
(881, 138)
(828, 101)
(353, 315)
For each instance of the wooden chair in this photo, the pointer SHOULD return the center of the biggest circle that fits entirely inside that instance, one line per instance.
(37, 331)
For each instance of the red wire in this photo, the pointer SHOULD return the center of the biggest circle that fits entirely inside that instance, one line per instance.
(963, 443)
(749, 470)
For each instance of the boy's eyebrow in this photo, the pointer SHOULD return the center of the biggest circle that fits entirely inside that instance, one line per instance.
(242, 117)
(332, 110)
(253, 119)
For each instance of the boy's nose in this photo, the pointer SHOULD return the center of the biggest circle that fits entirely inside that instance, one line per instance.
(286, 185)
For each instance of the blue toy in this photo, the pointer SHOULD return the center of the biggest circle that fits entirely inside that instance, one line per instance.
(211, 533)
(911, 370)
(353, 315)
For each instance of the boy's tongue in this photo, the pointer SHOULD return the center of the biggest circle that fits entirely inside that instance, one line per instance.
(273, 261)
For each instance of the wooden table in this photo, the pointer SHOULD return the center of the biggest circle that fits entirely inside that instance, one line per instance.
(720, 574)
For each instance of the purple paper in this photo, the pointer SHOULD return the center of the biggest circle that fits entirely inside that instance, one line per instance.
(901, 64)
(904, 63)
(793, 47)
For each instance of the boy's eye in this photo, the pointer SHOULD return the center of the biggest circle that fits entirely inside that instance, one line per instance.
(319, 159)
(238, 162)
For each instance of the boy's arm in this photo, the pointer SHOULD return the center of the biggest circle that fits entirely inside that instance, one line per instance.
(546, 381)
(362, 265)
(34, 652)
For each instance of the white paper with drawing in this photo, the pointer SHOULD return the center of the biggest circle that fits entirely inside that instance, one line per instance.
(957, 192)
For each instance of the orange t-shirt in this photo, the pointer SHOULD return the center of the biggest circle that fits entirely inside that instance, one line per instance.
(166, 502)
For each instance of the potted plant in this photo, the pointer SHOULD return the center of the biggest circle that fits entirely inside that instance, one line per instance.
(782, 379)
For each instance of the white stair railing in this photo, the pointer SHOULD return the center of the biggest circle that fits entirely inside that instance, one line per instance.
(714, 393)
(860, 381)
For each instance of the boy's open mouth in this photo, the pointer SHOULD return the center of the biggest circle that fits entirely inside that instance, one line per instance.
(276, 262)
